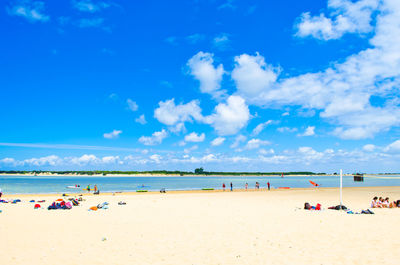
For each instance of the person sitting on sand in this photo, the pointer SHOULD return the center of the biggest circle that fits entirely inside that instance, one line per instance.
(385, 203)
(374, 203)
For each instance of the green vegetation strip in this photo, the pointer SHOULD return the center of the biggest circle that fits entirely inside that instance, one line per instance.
(207, 189)
(141, 191)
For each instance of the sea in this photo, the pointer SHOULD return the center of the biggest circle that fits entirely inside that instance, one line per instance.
(10, 184)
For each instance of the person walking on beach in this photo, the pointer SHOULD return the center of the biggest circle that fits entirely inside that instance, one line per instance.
(269, 185)
(246, 186)
(223, 186)
(231, 186)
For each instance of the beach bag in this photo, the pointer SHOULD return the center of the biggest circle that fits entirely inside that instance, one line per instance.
(307, 206)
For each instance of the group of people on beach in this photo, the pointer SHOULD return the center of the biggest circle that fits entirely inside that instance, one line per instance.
(384, 203)
(246, 186)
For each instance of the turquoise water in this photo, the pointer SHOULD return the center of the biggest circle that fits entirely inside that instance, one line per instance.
(58, 184)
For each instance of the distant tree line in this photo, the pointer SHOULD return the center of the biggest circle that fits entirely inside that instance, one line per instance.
(197, 171)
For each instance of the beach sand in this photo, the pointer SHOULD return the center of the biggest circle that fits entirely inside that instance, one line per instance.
(253, 227)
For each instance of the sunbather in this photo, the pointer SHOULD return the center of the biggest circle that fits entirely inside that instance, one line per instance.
(374, 203)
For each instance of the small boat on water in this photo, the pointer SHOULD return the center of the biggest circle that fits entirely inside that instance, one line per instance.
(73, 187)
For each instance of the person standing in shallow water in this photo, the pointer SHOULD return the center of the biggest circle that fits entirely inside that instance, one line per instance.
(88, 188)
(223, 186)
(231, 186)
(95, 188)
(246, 186)
(269, 185)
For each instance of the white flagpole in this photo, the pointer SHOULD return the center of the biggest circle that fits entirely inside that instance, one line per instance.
(341, 185)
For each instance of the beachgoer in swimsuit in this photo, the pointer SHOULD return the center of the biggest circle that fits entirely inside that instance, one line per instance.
(374, 203)
(88, 188)
(246, 186)
(223, 186)
(231, 186)
(269, 185)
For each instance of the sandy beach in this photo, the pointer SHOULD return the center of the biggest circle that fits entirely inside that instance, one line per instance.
(240, 227)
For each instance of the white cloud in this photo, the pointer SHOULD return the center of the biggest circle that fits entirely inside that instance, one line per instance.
(8, 160)
(286, 129)
(31, 10)
(346, 17)
(285, 114)
(221, 41)
(266, 152)
(132, 105)
(210, 77)
(260, 127)
(176, 115)
(231, 117)
(350, 83)
(193, 137)
(110, 159)
(369, 147)
(156, 158)
(252, 75)
(112, 135)
(51, 160)
(256, 143)
(393, 147)
(238, 139)
(155, 138)
(141, 119)
(310, 131)
(89, 6)
(217, 141)
(189, 150)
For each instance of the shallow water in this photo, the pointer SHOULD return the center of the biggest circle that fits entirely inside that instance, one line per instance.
(58, 184)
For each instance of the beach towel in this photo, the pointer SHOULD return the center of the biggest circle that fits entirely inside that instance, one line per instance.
(337, 207)
(94, 208)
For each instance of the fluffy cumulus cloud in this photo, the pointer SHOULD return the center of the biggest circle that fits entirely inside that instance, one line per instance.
(252, 75)
(256, 143)
(194, 137)
(345, 16)
(230, 117)
(342, 94)
(112, 135)
(33, 11)
(176, 115)
(155, 138)
(202, 68)
(218, 141)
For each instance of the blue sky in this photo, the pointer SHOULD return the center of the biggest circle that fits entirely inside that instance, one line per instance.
(226, 85)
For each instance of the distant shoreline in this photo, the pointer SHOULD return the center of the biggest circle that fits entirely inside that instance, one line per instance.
(165, 175)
